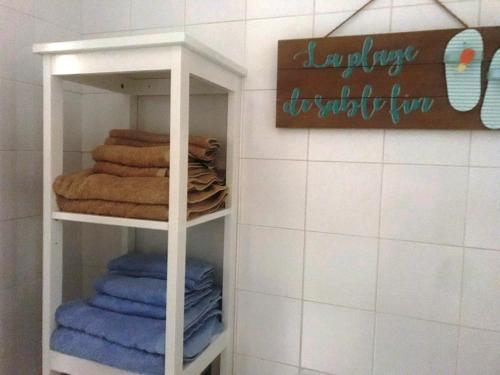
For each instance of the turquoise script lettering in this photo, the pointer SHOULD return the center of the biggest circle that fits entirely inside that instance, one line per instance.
(366, 106)
(394, 58)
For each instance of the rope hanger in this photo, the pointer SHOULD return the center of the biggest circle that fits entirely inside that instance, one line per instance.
(438, 2)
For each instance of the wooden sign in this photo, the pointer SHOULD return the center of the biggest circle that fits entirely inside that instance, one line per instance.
(420, 80)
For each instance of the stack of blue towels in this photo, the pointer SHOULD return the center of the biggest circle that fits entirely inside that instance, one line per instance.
(123, 325)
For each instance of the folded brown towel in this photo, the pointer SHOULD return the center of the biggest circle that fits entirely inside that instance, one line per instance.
(126, 171)
(139, 190)
(144, 157)
(195, 152)
(88, 185)
(197, 175)
(148, 137)
(138, 211)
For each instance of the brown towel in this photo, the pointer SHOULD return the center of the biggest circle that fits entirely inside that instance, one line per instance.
(143, 157)
(138, 211)
(85, 185)
(198, 175)
(148, 137)
(126, 171)
(195, 152)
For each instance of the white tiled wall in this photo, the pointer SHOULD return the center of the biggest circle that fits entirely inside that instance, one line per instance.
(360, 251)
(22, 23)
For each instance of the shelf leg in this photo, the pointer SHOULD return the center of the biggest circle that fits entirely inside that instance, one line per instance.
(230, 226)
(179, 134)
(52, 229)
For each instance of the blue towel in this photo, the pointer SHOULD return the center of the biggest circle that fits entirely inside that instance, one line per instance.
(207, 300)
(127, 330)
(82, 345)
(142, 289)
(155, 265)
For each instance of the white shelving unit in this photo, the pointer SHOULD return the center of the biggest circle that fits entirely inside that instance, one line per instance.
(162, 64)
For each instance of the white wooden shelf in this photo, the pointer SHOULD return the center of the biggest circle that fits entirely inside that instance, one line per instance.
(177, 66)
(134, 223)
(77, 366)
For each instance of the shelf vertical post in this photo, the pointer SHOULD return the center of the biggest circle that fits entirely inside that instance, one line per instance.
(177, 212)
(52, 229)
(230, 225)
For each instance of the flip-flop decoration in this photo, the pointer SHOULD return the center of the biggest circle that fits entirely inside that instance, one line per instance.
(463, 58)
(490, 111)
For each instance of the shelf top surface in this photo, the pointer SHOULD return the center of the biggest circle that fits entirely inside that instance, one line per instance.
(139, 41)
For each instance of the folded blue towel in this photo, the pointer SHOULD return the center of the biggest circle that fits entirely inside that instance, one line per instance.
(143, 289)
(107, 302)
(127, 330)
(82, 345)
(204, 301)
(155, 265)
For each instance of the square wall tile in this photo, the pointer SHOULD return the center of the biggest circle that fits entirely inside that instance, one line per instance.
(72, 121)
(156, 13)
(424, 203)
(270, 260)
(481, 290)
(489, 13)
(432, 17)
(354, 145)
(485, 149)
(101, 113)
(201, 11)
(215, 35)
(478, 352)
(8, 24)
(250, 366)
(344, 198)
(67, 13)
(362, 24)
(278, 8)
(272, 193)
(337, 340)
(8, 187)
(24, 6)
(28, 119)
(29, 249)
(483, 209)
(414, 347)
(27, 65)
(261, 47)
(311, 372)
(103, 16)
(8, 125)
(268, 327)
(327, 6)
(29, 183)
(101, 243)
(420, 280)
(398, 3)
(8, 334)
(427, 147)
(8, 254)
(340, 270)
(260, 138)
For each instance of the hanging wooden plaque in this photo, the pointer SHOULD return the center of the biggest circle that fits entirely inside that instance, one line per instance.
(415, 80)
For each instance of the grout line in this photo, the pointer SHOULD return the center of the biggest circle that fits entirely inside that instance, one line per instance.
(379, 229)
(373, 162)
(20, 218)
(304, 245)
(462, 271)
(372, 237)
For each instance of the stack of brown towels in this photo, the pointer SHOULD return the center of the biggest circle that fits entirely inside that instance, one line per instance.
(131, 178)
